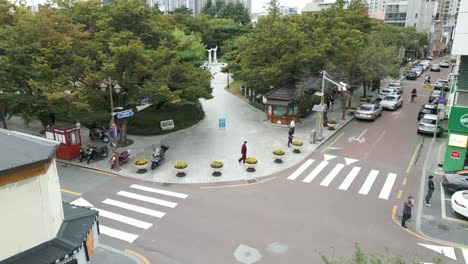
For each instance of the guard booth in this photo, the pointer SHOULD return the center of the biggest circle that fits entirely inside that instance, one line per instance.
(70, 137)
(282, 107)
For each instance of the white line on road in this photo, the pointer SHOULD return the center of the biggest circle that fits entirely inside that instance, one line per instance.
(465, 255)
(123, 219)
(362, 134)
(147, 199)
(350, 178)
(117, 234)
(332, 175)
(134, 208)
(316, 171)
(387, 188)
(164, 192)
(442, 196)
(300, 170)
(369, 182)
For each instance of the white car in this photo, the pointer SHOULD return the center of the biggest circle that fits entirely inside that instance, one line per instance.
(386, 91)
(418, 69)
(460, 202)
(391, 102)
(444, 64)
(397, 86)
(368, 112)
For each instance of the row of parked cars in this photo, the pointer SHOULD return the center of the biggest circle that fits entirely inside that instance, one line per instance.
(390, 99)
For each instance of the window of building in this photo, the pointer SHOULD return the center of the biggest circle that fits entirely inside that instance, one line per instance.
(279, 110)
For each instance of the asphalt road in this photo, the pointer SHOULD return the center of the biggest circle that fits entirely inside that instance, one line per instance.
(349, 191)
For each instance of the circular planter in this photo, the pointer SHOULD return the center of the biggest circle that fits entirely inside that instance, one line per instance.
(217, 171)
(278, 158)
(141, 167)
(251, 166)
(297, 149)
(181, 172)
(351, 111)
(331, 125)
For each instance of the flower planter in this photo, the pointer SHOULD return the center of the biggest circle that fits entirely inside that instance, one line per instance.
(181, 172)
(141, 166)
(278, 158)
(331, 125)
(297, 149)
(251, 166)
(217, 171)
(351, 111)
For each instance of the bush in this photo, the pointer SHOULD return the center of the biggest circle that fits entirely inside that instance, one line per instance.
(307, 103)
(216, 164)
(278, 152)
(297, 143)
(141, 161)
(251, 160)
(180, 165)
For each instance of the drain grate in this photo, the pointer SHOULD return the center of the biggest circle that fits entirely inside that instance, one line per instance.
(251, 181)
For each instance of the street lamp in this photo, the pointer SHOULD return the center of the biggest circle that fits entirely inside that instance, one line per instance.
(112, 85)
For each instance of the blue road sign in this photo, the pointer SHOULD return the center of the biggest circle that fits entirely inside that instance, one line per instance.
(124, 114)
(441, 100)
(222, 123)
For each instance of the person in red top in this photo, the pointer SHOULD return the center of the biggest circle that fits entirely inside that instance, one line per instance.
(243, 152)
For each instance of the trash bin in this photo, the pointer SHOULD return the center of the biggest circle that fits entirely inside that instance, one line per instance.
(313, 136)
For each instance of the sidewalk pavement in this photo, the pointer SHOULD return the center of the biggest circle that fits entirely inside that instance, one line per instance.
(204, 142)
(105, 255)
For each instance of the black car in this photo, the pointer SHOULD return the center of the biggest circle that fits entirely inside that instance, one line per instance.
(427, 109)
(455, 181)
(411, 75)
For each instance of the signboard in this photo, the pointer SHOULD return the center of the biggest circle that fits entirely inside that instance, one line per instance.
(222, 123)
(124, 114)
(455, 155)
(458, 140)
(458, 119)
(427, 86)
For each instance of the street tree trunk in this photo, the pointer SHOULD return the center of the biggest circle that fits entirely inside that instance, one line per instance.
(123, 132)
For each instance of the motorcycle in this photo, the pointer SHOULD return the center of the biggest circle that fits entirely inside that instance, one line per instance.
(159, 155)
(98, 133)
(95, 153)
(123, 158)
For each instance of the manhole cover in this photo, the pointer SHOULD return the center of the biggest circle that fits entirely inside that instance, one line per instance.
(251, 181)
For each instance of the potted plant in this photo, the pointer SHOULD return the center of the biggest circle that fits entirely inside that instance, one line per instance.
(141, 163)
(278, 155)
(297, 145)
(331, 123)
(351, 110)
(180, 167)
(217, 167)
(364, 100)
(251, 163)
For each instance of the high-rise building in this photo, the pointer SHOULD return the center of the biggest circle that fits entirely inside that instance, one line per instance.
(376, 6)
(413, 13)
(196, 6)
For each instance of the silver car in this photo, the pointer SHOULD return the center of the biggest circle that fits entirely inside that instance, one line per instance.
(391, 102)
(418, 69)
(427, 124)
(387, 91)
(368, 111)
(397, 86)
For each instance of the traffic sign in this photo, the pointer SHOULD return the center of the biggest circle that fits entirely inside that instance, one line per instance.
(441, 100)
(124, 114)
(455, 154)
(222, 123)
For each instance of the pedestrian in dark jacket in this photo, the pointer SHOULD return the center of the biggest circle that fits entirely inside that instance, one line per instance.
(243, 152)
(430, 190)
(407, 210)
(290, 136)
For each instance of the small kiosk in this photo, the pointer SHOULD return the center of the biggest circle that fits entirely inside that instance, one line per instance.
(282, 107)
(70, 137)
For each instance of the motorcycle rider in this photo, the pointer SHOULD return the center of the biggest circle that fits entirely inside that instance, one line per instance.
(413, 94)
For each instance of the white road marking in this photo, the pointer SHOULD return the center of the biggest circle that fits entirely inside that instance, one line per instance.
(134, 208)
(316, 171)
(327, 157)
(164, 192)
(369, 182)
(117, 234)
(349, 161)
(446, 251)
(387, 188)
(81, 202)
(350, 178)
(123, 219)
(332, 175)
(147, 199)
(442, 202)
(300, 170)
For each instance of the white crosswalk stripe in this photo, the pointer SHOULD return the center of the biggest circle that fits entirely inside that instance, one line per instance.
(387, 188)
(123, 219)
(332, 175)
(164, 192)
(134, 208)
(316, 171)
(369, 182)
(301, 169)
(147, 199)
(108, 231)
(350, 178)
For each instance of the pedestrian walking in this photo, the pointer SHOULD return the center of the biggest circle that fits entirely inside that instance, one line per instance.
(430, 190)
(243, 152)
(407, 211)
(290, 136)
(332, 102)
(292, 126)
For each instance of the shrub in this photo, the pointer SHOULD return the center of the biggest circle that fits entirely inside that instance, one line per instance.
(278, 152)
(307, 103)
(331, 121)
(251, 160)
(297, 143)
(364, 100)
(216, 164)
(180, 165)
(141, 161)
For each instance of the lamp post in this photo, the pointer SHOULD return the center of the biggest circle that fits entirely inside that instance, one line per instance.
(110, 85)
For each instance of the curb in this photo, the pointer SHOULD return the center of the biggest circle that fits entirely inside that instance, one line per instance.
(89, 168)
(332, 134)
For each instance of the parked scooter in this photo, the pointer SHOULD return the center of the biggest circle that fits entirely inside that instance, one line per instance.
(123, 158)
(99, 133)
(159, 155)
(93, 153)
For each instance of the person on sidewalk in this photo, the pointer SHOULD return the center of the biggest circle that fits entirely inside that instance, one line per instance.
(430, 190)
(243, 152)
(290, 136)
(407, 211)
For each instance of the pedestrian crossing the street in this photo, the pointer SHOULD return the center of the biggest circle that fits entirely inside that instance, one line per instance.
(346, 174)
(130, 212)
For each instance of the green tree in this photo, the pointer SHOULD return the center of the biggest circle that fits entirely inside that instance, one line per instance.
(235, 11)
(209, 9)
(183, 10)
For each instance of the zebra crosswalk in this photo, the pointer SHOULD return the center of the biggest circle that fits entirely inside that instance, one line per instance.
(128, 213)
(344, 175)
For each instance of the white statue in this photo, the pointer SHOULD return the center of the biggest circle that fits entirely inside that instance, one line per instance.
(209, 56)
(215, 56)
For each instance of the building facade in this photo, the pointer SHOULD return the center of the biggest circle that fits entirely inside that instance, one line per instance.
(414, 13)
(196, 6)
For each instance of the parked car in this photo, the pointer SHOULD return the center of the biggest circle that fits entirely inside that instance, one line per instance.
(397, 86)
(444, 64)
(411, 75)
(435, 67)
(392, 102)
(368, 111)
(427, 125)
(455, 181)
(418, 69)
(427, 109)
(430, 57)
(435, 94)
(460, 203)
(425, 65)
(386, 91)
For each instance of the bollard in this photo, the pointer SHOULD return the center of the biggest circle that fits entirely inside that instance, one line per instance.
(313, 136)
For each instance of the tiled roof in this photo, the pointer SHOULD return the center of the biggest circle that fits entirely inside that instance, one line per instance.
(283, 94)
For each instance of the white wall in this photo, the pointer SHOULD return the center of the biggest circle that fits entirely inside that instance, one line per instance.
(460, 42)
(33, 212)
